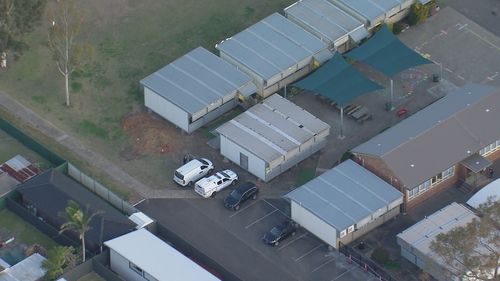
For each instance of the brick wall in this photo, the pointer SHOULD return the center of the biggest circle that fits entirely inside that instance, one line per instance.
(379, 168)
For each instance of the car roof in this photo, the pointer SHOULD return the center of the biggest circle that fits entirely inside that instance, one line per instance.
(246, 186)
(189, 166)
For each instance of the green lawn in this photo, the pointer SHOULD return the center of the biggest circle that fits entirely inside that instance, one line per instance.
(10, 147)
(131, 39)
(303, 176)
(22, 231)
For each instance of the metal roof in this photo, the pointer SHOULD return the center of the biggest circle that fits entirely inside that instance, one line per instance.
(491, 190)
(157, 258)
(196, 80)
(440, 135)
(324, 18)
(29, 269)
(345, 195)
(271, 46)
(421, 234)
(476, 162)
(272, 128)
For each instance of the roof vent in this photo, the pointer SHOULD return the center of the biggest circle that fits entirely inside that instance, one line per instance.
(468, 151)
(469, 93)
(412, 165)
(379, 144)
(487, 110)
(301, 126)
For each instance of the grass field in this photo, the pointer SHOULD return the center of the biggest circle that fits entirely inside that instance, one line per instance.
(10, 147)
(23, 231)
(131, 39)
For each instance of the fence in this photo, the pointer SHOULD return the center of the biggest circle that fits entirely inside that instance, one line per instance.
(101, 190)
(366, 263)
(3, 198)
(31, 143)
(98, 264)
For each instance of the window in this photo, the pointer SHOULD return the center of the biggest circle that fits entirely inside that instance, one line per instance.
(350, 229)
(343, 233)
(490, 148)
(423, 187)
(135, 268)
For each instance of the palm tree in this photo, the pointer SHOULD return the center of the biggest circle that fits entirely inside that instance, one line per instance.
(79, 221)
(58, 258)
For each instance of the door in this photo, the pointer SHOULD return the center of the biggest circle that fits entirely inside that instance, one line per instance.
(243, 161)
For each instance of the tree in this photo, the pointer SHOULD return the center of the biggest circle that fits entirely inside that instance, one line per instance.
(473, 250)
(58, 259)
(66, 21)
(78, 221)
(418, 13)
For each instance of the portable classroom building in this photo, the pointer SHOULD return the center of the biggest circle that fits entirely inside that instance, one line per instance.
(274, 52)
(195, 89)
(373, 13)
(271, 137)
(344, 203)
(340, 30)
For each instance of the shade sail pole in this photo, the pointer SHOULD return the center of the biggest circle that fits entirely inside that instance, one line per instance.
(392, 94)
(341, 135)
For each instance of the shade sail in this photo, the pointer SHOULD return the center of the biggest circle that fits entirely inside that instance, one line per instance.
(386, 53)
(338, 81)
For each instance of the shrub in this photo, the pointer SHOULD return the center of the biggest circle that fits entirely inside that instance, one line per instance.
(380, 256)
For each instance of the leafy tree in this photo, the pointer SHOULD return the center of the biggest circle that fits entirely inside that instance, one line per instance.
(16, 18)
(473, 250)
(79, 221)
(58, 259)
(418, 13)
(66, 18)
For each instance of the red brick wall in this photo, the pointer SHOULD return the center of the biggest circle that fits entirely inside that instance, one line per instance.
(379, 168)
(494, 156)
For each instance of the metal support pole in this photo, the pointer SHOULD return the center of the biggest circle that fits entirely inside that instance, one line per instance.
(392, 95)
(440, 71)
(285, 91)
(341, 136)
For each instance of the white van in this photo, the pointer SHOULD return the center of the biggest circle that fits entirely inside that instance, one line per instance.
(192, 171)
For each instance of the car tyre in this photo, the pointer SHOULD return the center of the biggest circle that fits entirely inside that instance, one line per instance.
(210, 171)
(293, 233)
(234, 182)
(213, 194)
(237, 207)
(254, 196)
(190, 184)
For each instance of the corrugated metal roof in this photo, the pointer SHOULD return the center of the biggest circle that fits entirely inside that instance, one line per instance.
(157, 258)
(452, 128)
(324, 18)
(371, 9)
(272, 128)
(196, 80)
(345, 195)
(271, 46)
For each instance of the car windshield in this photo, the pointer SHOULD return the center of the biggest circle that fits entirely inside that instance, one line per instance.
(203, 161)
(235, 194)
(179, 175)
(276, 231)
(225, 175)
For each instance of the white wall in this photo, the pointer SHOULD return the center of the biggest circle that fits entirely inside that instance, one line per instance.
(231, 151)
(120, 265)
(314, 225)
(166, 109)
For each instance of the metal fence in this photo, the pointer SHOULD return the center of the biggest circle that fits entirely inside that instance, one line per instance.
(101, 190)
(366, 263)
(31, 143)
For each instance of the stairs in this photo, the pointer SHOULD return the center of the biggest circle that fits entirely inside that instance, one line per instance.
(465, 187)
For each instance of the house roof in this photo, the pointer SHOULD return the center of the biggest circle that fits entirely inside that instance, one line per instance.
(454, 127)
(491, 190)
(345, 195)
(272, 128)
(371, 9)
(324, 18)
(198, 79)
(272, 46)
(29, 269)
(157, 258)
(50, 192)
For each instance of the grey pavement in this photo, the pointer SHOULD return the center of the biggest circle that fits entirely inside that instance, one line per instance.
(484, 12)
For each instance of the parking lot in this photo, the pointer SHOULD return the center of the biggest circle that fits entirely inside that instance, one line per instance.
(235, 240)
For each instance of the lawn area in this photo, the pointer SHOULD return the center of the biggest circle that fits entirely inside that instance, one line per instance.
(10, 147)
(304, 175)
(91, 277)
(23, 232)
(131, 39)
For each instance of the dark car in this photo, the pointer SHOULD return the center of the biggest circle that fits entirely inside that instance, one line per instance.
(280, 232)
(241, 194)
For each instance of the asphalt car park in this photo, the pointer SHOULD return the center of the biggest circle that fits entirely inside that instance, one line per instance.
(234, 239)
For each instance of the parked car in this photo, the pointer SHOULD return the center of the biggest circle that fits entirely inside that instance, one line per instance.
(241, 194)
(280, 232)
(192, 171)
(209, 186)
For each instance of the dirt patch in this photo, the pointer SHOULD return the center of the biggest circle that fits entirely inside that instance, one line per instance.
(149, 136)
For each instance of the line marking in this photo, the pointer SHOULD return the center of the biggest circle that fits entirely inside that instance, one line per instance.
(323, 264)
(291, 241)
(460, 76)
(449, 70)
(241, 210)
(276, 208)
(463, 26)
(349, 270)
(257, 220)
(484, 40)
(310, 251)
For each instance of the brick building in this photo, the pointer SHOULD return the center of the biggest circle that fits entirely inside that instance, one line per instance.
(452, 141)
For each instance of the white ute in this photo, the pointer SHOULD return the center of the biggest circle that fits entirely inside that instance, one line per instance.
(209, 186)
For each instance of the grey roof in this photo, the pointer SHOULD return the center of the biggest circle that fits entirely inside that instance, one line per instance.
(452, 128)
(371, 9)
(271, 46)
(157, 258)
(196, 80)
(272, 128)
(345, 195)
(324, 18)
(29, 269)
(476, 162)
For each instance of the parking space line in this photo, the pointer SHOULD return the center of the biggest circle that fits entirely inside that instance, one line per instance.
(259, 219)
(349, 270)
(291, 241)
(276, 208)
(243, 209)
(323, 264)
(306, 254)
